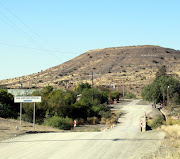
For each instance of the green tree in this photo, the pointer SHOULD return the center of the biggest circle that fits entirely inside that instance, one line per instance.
(115, 95)
(154, 91)
(8, 109)
(41, 108)
(80, 87)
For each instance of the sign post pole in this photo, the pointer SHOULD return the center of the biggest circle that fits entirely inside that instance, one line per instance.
(34, 113)
(20, 114)
(141, 125)
(27, 99)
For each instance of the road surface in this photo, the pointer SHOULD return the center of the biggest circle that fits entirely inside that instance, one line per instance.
(125, 141)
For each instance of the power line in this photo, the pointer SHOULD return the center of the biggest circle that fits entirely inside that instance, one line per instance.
(26, 47)
(18, 19)
(18, 29)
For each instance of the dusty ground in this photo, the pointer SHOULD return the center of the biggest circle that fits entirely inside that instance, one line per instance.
(8, 128)
(124, 141)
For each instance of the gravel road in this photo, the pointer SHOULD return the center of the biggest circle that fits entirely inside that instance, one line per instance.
(121, 142)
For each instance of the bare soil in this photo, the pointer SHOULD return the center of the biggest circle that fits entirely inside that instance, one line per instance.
(9, 128)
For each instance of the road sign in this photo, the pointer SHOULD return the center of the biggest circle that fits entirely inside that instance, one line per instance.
(27, 99)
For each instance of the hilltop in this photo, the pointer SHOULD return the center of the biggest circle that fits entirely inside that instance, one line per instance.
(132, 66)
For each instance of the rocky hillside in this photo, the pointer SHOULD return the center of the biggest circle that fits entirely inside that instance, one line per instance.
(132, 66)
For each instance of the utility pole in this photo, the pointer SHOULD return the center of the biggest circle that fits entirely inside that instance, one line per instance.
(92, 88)
(168, 98)
(123, 90)
(110, 95)
(163, 98)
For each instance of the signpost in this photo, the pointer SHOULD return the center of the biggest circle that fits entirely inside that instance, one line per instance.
(27, 99)
(74, 124)
(141, 125)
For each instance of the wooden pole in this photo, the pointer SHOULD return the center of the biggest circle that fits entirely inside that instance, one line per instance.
(34, 116)
(168, 98)
(20, 114)
(92, 88)
(163, 98)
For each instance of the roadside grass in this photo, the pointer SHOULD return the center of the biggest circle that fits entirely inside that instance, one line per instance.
(171, 144)
(172, 130)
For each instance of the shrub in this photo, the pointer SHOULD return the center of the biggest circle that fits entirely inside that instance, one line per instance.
(161, 58)
(59, 122)
(130, 95)
(154, 61)
(156, 122)
(105, 114)
(5, 110)
(92, 120)
(8, 109)
(103, 120)
(108, 121)
(80, 121)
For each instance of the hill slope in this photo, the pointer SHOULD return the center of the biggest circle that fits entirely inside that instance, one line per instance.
(133, 66)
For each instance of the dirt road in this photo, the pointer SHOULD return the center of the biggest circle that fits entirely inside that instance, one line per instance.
(122, 142)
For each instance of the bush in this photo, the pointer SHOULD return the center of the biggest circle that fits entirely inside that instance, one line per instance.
(59, 122)
(103, 120)
(130, 95)
(154, 61)
(80, 121)
(108, 121)
(5, 110)
(8, 109)
(105, 114)
(92, 120)
(156, 122)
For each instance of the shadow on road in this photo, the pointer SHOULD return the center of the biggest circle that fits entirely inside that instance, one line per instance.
(116, 139)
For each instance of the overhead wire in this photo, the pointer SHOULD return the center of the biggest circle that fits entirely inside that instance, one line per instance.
(18, 29)
(26, 47)
(19, 19)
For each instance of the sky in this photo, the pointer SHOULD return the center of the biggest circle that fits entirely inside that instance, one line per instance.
(38, 34)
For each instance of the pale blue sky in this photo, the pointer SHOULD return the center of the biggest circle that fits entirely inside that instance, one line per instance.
(38, 34)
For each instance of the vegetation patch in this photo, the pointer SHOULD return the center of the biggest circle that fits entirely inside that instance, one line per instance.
(156, 122)
(59, 122)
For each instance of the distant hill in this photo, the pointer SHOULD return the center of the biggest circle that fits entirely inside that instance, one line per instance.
(132, 66)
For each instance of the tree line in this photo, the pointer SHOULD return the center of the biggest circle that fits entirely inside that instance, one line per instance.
(60, 107)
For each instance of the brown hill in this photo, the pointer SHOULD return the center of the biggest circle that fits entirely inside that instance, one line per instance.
(132, 66)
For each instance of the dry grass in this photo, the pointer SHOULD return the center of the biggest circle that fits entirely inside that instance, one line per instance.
(172, 130)
(169, 155)
(172, 148)
(8, 128)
